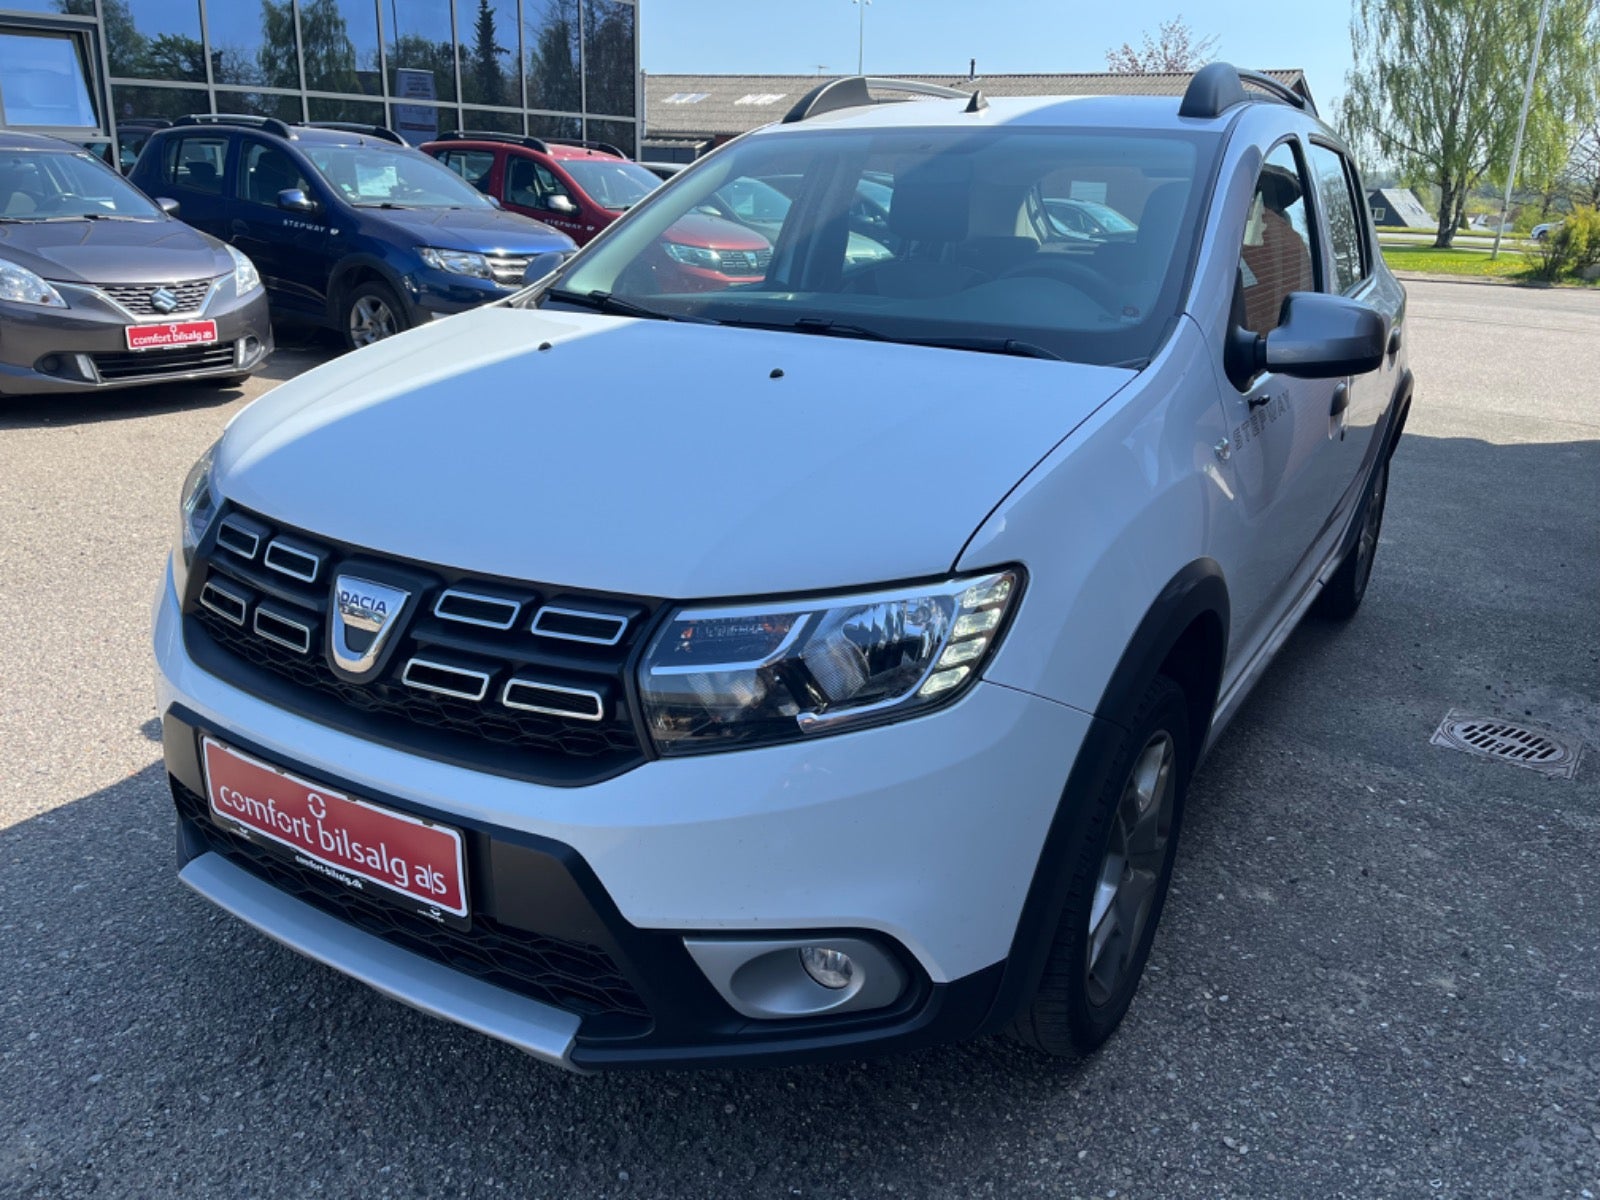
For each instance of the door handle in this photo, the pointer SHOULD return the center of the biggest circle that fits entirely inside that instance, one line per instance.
(238, 228)
(1395, 340)
(1341, 399)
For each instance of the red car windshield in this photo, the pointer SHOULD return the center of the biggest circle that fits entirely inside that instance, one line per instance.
(610, 183)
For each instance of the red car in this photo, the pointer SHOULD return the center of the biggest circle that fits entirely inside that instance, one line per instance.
(581, 187)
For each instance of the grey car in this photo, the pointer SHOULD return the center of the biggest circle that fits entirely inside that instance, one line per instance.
(100, 287)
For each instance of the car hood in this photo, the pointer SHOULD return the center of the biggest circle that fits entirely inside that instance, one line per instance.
(113, 251)
(714, 233)
(651, 457)
(486, 230)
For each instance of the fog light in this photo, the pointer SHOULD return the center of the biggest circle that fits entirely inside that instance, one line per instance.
(831, 968)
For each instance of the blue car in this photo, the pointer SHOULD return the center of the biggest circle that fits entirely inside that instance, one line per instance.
(349, 227)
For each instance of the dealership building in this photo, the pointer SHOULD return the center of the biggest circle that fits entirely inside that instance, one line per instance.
(551, 68)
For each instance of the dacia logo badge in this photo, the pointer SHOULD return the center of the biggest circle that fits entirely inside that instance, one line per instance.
(163, 300)
(365, 612)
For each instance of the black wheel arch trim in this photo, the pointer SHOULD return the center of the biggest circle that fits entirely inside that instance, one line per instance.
(1197, 591)
(339, 285)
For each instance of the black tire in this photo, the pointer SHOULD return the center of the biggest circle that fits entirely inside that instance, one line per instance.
(1348, 586)
(1103, 942)
(370, 313)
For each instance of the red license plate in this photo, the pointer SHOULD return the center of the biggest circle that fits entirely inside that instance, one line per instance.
(355, 842)
(178, 333)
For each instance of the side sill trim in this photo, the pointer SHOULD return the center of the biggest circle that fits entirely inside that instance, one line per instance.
(544, 1032)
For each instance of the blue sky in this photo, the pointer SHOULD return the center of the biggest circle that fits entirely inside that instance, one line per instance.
(1003, 35)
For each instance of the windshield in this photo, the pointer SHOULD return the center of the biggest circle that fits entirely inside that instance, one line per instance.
(374, 177)
(61, 185)
(932, 236)
(611, 184)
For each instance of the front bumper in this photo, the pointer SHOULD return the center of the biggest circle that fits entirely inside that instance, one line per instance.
(922, 836)
(84, 348)
(432, 293)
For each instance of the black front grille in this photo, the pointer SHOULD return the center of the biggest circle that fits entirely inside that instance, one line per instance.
(151, 364)
(745, 262)
(592, 735)
(136, 297)
(580, 978)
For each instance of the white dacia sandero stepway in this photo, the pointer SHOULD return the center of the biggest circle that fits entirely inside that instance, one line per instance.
(672, 664)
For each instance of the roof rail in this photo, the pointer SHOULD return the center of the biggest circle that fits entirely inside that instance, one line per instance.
(270, 124)
(378, 131)
(1281, 90)
(603, 147)
(1218, 86)
(490, 135)
(854, 91)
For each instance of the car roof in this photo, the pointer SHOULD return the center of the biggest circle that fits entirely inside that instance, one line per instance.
(11, 139)
(305, 135)
(554, 150)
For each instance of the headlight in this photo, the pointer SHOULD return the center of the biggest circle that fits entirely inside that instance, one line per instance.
(22, 286)
(197, 506)
(457, 262)
(717, 678)
(693, 256)
(245, 276)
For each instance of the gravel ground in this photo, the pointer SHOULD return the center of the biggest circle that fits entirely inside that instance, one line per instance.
(1379, 973)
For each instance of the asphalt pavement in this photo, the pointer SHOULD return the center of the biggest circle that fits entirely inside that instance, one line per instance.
(1378, 975)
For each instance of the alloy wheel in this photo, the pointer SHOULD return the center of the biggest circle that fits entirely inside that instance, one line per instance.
(371, 320)
(1130, 873)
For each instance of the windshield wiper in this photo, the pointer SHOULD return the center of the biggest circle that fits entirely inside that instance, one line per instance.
(981, 345)
(96, 216)
(607, 303)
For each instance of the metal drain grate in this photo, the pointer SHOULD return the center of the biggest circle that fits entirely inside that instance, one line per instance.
(1509, 741)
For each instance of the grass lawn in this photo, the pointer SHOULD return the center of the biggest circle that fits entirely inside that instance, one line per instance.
(1511, 264)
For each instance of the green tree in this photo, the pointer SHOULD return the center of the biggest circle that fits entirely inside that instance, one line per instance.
(484, 81)
(276, 57)
(1437, 85)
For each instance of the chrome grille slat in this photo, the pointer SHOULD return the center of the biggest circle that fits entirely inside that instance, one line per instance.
(232, 535)
(527, 703)
(543, 627)
(507, 268)
(282, 629)
(228, 603)
(455, 604)
(477, 682)
(294, 561)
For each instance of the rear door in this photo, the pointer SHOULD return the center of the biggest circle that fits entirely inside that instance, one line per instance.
(1343, 220)
(290, 248)
(193, 171)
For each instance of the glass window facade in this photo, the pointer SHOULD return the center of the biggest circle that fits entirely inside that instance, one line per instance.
(550, 68)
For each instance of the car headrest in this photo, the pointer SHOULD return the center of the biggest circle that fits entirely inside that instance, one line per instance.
(199, 169)
(933, 202)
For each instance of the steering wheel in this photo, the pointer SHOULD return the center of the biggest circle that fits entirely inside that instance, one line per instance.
(1086, 279)
(52, 203)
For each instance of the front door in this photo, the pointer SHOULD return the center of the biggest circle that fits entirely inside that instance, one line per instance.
(533, 190)
(1285, 472)
(289, 247)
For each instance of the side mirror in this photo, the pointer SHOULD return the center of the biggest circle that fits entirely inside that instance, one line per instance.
(541, 266)
(561, 204)
(1318, 337)
(494, 201)
(296, 200)
(167, 205)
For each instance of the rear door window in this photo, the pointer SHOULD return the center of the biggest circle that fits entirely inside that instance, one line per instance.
(1346, 236)
(196, 163)
(475, 166)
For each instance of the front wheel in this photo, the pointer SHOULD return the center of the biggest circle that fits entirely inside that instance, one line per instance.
(1120, 868)
(372, 312)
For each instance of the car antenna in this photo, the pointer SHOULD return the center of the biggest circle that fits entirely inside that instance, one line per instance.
(978, 103)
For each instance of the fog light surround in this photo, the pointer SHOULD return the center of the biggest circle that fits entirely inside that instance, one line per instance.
(775, 979)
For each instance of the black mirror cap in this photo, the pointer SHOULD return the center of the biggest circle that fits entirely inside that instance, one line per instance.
(296, 200)
(167, 205)
(1325, 337)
